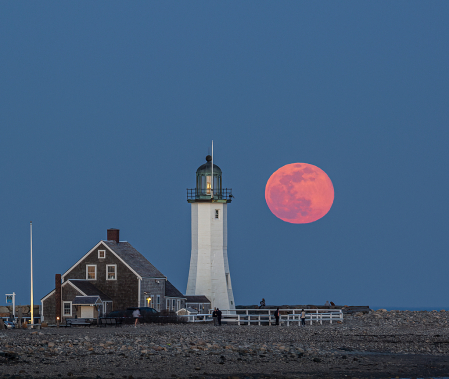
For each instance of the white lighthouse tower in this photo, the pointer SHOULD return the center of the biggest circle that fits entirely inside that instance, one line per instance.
(209, 268)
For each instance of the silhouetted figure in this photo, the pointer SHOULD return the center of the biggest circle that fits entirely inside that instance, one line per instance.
(219, 316)
(303, 317)
(215, 316)
(277, 314)
(262, 303)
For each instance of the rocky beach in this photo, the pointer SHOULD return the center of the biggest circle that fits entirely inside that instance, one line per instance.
(380, 344)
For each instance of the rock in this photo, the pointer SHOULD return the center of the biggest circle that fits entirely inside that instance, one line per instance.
(9, 355)
(51, 344)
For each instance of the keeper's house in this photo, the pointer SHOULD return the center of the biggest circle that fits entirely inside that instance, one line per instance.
(111, 276)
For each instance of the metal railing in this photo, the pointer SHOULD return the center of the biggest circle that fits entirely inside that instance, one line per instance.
(219, 194)
(198, 317)
(266, 316)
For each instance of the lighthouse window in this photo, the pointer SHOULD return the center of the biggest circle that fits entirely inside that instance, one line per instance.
(217, 213)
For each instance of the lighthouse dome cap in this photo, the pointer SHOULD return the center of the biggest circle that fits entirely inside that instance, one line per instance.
(206, 168)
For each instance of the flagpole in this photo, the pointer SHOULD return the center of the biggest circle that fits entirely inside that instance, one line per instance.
(31, 256)
(212, 178)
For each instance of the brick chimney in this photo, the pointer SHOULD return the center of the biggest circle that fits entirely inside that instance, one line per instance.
(58, 297)
(113, 235)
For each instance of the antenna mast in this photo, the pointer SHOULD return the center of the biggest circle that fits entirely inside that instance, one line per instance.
(31, 259)
(212, 178)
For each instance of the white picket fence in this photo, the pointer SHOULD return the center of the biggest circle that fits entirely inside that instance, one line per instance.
(266, 316)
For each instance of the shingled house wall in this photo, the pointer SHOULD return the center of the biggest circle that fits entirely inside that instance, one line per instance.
(68, 294)
(123, 291)
(49, 304)
(152, 287)
(49, 309)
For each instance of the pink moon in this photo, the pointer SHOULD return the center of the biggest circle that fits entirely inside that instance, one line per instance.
(299, 193)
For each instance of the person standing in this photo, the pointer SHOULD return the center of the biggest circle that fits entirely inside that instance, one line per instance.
(277, 314)
(136, 315)
(303, 317)
(219, 316)
(215, 316)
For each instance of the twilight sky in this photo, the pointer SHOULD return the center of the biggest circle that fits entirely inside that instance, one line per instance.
(107, 109)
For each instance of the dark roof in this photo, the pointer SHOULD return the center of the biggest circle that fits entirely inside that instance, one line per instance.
(171, 291)
(197, 299)
(134, 259)
(47, 294)
(206, 169)
(85, 300)
(89, 289)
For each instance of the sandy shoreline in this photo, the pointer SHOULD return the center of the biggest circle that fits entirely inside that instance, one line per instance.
(379, 345)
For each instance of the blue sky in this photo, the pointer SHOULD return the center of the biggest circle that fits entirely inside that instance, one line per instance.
(107, 109)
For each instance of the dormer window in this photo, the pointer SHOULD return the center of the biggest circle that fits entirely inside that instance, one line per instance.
(101, 254)
(91, 272)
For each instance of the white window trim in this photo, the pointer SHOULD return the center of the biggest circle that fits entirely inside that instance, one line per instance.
(87, 276)
(63, 313)
(113, 265)
(104, 252)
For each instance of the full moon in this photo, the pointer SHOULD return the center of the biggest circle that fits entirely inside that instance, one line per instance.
(299, 193)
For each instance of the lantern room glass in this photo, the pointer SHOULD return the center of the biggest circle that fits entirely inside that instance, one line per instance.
(204, 185)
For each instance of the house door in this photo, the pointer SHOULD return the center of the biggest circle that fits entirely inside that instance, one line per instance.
(87, 312)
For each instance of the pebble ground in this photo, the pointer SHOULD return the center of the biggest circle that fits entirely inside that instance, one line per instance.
(377, 345)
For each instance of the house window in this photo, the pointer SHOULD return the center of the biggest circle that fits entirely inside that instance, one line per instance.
(217, 213)
(91, 272)
(168, 305)
(158, 303)
(101, 253)
(111, 272)
(179, 304)
(174, 305)
(67, 308)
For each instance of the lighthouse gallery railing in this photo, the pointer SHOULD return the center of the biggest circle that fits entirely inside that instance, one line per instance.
(220, 194)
